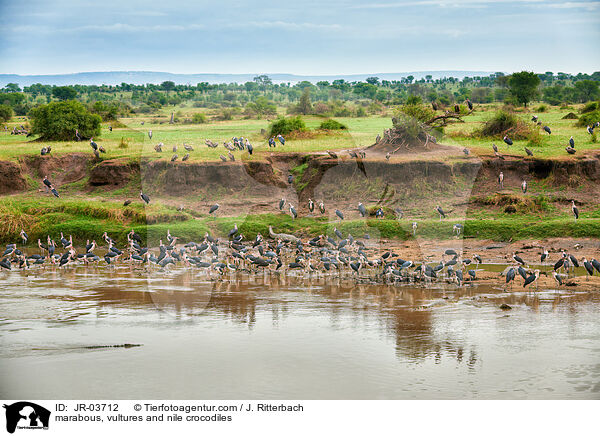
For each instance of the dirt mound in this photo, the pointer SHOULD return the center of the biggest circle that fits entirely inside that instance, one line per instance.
(225, 178)
(263, 173)
(570, 116)
(11, 178)
(63, 169)
(115, 173)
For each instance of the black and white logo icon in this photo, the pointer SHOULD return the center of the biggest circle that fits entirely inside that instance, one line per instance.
(26, 415)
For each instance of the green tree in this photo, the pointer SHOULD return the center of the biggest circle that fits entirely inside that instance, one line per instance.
(586, 90)
(168, 85)
(5, 112)
(261, 106)
(12, 99)
(523, 86)
(304, 106)
(365, 89)
(58, 121)
(64, 93)
(12, 87)
(263, 80)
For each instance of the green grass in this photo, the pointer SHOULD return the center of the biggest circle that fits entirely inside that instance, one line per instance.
(361, 132)
(89, 219)
(551, 145)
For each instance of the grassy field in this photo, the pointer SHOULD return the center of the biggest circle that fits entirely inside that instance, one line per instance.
(551, 145)
(133, 141)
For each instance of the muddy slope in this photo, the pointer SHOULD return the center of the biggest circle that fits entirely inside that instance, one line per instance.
(11, 178)
(226, 177)
(561, 174)
(321, 177)
(60, 170)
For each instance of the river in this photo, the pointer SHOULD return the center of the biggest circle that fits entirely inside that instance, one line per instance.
(283, 337)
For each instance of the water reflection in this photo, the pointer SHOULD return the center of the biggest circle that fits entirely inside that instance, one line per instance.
(439, 332)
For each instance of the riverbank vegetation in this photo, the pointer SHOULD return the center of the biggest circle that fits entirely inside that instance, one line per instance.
(85, 219)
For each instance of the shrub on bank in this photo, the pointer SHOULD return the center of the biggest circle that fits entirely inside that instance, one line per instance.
(284, 126)
(589, 118)
(505, 123)
(199, 118)
(332, 125)
(590, 107)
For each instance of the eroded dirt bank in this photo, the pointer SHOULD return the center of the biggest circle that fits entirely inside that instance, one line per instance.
(413, 184)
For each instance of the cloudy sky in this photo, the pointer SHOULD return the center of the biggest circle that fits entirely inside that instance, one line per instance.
(301, 37)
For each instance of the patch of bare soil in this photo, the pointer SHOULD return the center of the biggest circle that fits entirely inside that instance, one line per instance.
(62, 169)
(11, 178)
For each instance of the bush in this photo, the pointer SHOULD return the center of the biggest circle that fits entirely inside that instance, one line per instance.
(5, 113)
(590, 107)
(58, 121)
(261, 107)
(542, 108)
(225, 115)
(361, 112)
(413, 100)
(589, 118)
(344, 111)
(199, 118)
(332, 125)
(534, 137)
(284, 126)
(110, 111)
(419, 112)
(145, 109)
(321, 108)
(499, 124)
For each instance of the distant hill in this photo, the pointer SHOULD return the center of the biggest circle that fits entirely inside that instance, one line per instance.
(142, 77)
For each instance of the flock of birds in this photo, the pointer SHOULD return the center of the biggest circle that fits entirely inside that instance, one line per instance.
(235, 144)
(344, 257)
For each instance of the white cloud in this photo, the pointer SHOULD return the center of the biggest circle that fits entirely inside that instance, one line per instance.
(130, 28)
(289, 25)
(443, 3)
(575, 5)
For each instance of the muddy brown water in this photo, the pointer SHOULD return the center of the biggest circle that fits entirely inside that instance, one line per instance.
(272, 337)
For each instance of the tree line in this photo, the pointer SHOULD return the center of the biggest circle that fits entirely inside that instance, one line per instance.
(261, 96)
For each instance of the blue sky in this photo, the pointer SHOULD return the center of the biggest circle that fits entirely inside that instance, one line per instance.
(301, 37)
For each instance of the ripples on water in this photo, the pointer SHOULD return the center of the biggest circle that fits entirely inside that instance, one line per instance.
(285, 337)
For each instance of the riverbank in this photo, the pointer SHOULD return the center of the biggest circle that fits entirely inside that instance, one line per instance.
(89, 219)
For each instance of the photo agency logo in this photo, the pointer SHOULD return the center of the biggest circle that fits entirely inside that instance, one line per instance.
(25, 415)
